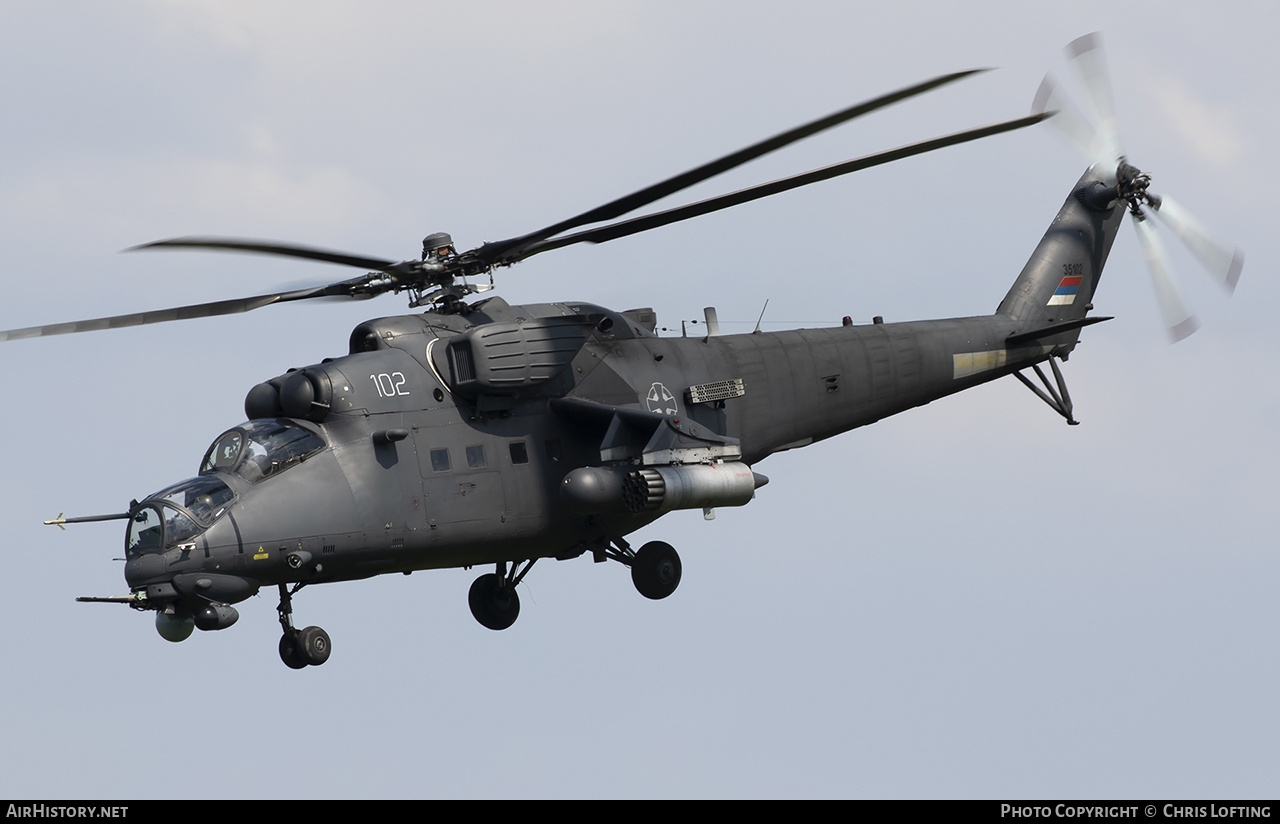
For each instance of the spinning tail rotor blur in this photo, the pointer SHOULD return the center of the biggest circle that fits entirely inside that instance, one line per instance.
(1092, 130)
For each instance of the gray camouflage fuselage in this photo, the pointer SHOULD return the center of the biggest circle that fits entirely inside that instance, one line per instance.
(448, 437)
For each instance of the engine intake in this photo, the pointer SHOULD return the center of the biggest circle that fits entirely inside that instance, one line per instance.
(301, 393)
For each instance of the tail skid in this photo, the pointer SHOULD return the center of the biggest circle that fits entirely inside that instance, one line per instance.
(1059, 400)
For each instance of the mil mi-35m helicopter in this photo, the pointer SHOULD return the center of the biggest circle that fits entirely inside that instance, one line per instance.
(479, 433)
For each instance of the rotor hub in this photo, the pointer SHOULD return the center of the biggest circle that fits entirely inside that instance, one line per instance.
(1132, 187)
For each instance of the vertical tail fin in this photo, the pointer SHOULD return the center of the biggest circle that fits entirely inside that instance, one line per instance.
(1057, 284)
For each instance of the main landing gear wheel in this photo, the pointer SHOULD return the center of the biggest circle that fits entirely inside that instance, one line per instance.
(656, 570)
(494, 602)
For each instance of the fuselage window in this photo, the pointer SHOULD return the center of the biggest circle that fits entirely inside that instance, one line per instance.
(440, 460)
(475, 457)
(519, 452)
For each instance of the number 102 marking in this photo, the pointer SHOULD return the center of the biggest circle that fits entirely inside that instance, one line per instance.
(389, 385)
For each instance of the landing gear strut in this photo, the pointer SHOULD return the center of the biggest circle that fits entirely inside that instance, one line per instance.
(493, 598)
(300, 648)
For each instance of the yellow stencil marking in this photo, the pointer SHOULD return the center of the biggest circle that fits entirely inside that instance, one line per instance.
(965, 364)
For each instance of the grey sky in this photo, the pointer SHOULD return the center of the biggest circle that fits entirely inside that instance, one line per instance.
(971, 599)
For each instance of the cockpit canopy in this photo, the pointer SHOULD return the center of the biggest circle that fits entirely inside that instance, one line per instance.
(177, 514)
(255, 450)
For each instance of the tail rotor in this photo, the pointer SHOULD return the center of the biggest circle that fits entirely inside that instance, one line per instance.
(1222, 264)
(1173, 308)
(1093, 132)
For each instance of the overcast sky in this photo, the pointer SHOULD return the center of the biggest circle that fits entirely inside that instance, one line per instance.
(968, 600)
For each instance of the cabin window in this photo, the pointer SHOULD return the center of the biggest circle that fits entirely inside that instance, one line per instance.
(519, 452)
(475, 457)
(440, 460)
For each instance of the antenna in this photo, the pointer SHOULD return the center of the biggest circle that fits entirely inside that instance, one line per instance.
(762, 311)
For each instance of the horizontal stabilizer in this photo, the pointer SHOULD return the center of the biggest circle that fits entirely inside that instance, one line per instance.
(1051, 330)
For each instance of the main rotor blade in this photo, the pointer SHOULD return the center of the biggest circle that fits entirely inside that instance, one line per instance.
(1177, 317)
(512, 249)
(1222, 264)
(199, 310)
(715, 204)
(270, 248)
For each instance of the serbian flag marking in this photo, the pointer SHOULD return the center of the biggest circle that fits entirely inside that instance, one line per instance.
(1067, 290)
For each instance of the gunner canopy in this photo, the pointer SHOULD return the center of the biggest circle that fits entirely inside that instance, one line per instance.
(177, 514)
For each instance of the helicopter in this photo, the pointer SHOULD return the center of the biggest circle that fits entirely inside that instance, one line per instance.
(475, 433)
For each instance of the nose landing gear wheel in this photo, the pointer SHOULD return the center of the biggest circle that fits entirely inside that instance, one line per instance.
(493, 602)
(656, 570)
(289, 652)
(300, 648)
(313, 646)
